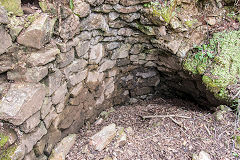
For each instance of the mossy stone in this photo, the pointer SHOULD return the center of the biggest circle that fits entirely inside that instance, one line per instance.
(13, 6)
(222, 70)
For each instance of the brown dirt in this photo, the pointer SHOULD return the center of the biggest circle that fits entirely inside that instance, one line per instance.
(162, 138)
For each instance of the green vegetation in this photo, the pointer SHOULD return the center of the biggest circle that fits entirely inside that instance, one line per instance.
(190, 23)
(3, 140)
(5, 154)
(218, 62)
(12, 6)
(165, 9)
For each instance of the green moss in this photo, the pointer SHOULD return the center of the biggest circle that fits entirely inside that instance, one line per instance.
(6, 154)
(146, 29)
(3, 140)
(220, 69)
(13, 6)
(43, 5)
(190, 23)
(165, 10)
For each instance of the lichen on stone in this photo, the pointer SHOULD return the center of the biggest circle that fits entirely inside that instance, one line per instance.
(3, 140)
(5, 154)
(221, 70)
(13, 6)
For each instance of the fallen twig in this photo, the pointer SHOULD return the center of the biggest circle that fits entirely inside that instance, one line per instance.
(178, 123)
(166, 116)
(207, 130)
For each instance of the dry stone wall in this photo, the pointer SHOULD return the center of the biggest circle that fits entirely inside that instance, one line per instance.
(56, 77)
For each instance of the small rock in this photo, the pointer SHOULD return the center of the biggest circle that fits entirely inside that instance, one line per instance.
(211, 21)
(63, 147)
(219, 115)
(130, 131)
(202, 156)
(99, 121)
(107, 158)
(101, 139)
(122, 137)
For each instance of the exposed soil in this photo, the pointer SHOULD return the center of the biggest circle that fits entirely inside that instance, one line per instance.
(176, 138)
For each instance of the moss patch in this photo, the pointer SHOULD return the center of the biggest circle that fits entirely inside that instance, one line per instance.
(13, 6)
(3, 140)
(5, 154)
(222, 67)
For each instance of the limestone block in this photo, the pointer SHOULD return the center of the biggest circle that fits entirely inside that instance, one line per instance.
(54, 81)
(6, 62)
(78, 77)
(70, 27)
(30, 124)
(67, 46)
(96, 54)
(37, 34)
(112, 1)
(34, 74)
(112, 45)
(29, 140)
(85, 35)
(130, 17)
(105, 8)
(107, 64)
(82, 48)
(75, 66)
(21, 102)
(122, 52)
(30, 156)
(95, 2)
(50, 117)
(46, 107)
(63, 147)
(81, 8)
(13, 6)
(94, 21)
(94, 78)
(112, 16)
(3, 16)
(125, 32)
(59, 95)
(133, 2)
(43, 57)
(131, 9)
(76, 90)
(65, 59)
(101, 139)
(5, 40)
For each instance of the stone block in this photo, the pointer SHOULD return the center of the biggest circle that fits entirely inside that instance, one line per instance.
(96, 54)
(3, 16)
(122, 52)
(63, 147)
(59, 95)
(5, 40)
(37, 34)
(43, 57)
(94, 21)
(29, 140)
(65, 59)
(101, 139)
(31, 123)
(82, 48)
(21, 102)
